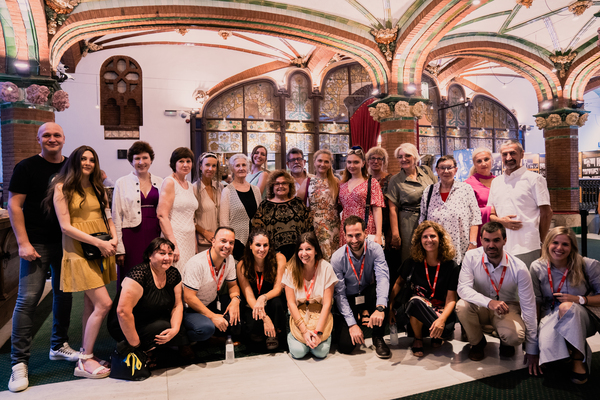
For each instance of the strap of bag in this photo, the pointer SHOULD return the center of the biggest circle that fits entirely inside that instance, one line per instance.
(368, 202)
(428, 201)
(103, 212)
(306, 202)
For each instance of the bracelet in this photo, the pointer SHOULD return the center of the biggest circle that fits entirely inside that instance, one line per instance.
(586, 300)
(298, 322)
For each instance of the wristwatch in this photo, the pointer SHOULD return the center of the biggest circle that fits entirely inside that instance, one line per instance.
(474, 243)
(380, 308)
(581, 300)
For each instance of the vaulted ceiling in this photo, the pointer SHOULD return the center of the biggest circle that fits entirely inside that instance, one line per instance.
(553, 44)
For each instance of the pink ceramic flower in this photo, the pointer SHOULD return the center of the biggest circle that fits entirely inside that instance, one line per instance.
(9, 92)
(37, 94)
(60, 100)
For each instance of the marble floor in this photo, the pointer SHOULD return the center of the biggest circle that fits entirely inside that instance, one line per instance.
(360, 375)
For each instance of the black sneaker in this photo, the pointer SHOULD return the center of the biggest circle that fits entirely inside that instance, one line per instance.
(506, 350)
(476, 352)
(381, 348)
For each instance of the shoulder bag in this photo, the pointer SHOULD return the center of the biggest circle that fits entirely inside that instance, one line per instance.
(91, 252)
(428, 201)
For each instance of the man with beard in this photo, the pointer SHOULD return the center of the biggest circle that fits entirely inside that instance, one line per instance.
(362, 290)
(296, 163)
(203, 278)
(495, 288)
(521, 203)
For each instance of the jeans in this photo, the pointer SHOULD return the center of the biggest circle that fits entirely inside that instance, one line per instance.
(32, 279)
(200, 328)
(299, 349)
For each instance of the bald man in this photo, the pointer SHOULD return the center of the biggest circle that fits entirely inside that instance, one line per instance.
(40, 249)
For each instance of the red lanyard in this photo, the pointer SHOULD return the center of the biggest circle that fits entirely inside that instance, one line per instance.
(362, 265)
(308, 291)
(212, 271)
(497, 289)
(259, 282)
(562, 281)
(434, 279)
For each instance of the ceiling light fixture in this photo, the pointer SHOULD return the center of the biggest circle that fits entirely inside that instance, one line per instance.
(476, 2)
(21, 65)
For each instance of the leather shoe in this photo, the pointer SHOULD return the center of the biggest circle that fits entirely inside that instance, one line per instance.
(476, 352)
(506, 350)
(381, 349)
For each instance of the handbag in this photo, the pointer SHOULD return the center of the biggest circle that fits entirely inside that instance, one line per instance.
(91, 252)
(128, 363)
(314, 311)
(401, 302)
(428, 201)
(368, 201)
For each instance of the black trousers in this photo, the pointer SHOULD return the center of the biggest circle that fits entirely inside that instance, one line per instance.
(345, 345)
(426, 315)
(147, 333)
(274, 309)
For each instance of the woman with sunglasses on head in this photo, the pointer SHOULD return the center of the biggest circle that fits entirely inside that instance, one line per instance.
(80, 201)
(453, 205)
(207, 190)
(565, 283)
(135, 200)
(322, 200)
(404, 194)
(259, 275)
(259, 174)
(309, 282)
(354, 191)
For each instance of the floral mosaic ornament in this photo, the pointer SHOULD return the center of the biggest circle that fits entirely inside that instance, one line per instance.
(401, 109)
(9, 92)
(561, 119)
(37, 94)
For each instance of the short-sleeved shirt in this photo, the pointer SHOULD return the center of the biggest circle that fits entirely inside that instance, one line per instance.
(155, 303)
(197, 276)
(325, 277)
(31, 177)
(447, 278)
(520, 193)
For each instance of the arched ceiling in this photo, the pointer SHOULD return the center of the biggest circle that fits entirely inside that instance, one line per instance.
(452, 39)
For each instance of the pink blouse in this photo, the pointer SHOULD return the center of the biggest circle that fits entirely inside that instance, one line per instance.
(354, 203)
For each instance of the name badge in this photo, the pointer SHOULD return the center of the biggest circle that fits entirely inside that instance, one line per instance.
(359, 300)
(218, 305)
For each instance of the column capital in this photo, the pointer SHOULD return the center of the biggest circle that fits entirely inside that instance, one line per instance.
(561, 118)
(398, 107)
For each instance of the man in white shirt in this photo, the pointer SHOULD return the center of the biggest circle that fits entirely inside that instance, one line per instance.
(203, 279)
(495, 288)
(295, 162)
(521, 203)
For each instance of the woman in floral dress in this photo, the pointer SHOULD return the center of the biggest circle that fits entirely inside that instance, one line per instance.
(353, 194)
(322, 200)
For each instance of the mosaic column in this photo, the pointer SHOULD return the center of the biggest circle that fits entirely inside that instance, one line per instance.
(398, 118)
(561, 137)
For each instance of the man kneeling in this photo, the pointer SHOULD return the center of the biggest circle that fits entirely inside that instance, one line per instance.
(362, 289)
(495, 288)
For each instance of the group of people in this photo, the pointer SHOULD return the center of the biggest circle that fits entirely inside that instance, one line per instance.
(198, 260)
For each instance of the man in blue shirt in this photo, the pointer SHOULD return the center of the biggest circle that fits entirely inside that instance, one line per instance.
(362, 290)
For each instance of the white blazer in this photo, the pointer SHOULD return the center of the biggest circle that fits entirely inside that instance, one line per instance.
(127, 206)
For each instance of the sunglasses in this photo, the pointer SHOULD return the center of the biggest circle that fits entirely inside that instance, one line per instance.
(356, 150)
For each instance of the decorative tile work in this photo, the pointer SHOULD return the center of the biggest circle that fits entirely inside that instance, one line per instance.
(263, 126)
(300, 127)
(336, 90)
(334, 128)
(224, 125)
(456, 116)
(429, 145)
(271, 140)
(475, 143)
(259, 102)
(428, 131)
(298, 105)
(225, 142)
(121, 134)
(300, 140)
(229, 105)
(337, 144)
(358, 77)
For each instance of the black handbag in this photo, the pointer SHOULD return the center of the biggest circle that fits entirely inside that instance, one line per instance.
(128, 363)
(428, 201)
(91, 252)
(401, 302)
(368, 202)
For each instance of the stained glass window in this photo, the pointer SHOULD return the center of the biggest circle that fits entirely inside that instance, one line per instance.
(228, 105)
(260, 102)
(298, 106)
(358, 77)
(336, 90)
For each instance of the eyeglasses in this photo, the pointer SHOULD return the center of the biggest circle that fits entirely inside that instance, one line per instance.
(280, 184)
(295, 160)
(444, 169)
(380, 159)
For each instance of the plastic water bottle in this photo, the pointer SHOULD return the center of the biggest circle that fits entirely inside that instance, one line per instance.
(229, 351)
(394, 335)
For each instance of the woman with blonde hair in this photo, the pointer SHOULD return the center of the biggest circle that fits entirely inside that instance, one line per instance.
(404, 194)
(239, 202)
(433, 277)
(480, 179)
(309, 282)
(354, 192)
(565, 284)
(323, 190)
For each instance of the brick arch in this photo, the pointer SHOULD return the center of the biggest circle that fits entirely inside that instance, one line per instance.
(88, 24)
(534, 68)
(247, 74)
(428, 26)
(592, 84)
(451, 71)
(581, 72)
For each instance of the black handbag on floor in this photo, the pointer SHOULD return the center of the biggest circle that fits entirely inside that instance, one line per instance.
(128, 363)
(401, 302)
(91, 252)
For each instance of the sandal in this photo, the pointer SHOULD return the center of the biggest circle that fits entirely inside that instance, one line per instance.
(418, 350)
(98, 373)
(272, 343)
(578, 378)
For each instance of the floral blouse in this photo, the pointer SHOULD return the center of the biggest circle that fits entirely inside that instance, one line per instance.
(326, 219)
(354, 203)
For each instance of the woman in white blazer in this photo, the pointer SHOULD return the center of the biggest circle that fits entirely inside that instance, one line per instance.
(135, 199)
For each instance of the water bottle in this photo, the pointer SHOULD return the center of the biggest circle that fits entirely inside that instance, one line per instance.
(229, 351)
(394, 335)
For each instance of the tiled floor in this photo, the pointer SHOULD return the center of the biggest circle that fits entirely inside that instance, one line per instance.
(361, 375)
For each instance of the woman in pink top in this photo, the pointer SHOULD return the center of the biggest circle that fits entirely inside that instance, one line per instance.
(480, 180)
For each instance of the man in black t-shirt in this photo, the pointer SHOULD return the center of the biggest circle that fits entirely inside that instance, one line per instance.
(40, 247)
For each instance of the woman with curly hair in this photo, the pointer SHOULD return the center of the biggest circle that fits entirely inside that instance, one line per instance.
(565, 283)
(259, 275)
(433, 277)
(282, 215)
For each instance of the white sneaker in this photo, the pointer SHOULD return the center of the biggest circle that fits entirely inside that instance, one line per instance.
(64, 353)
(19, 379)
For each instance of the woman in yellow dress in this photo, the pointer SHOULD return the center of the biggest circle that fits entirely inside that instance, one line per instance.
(75, 192)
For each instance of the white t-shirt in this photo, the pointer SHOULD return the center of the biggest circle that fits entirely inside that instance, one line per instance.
(197, 276)
(520, 193)
(325, 277)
